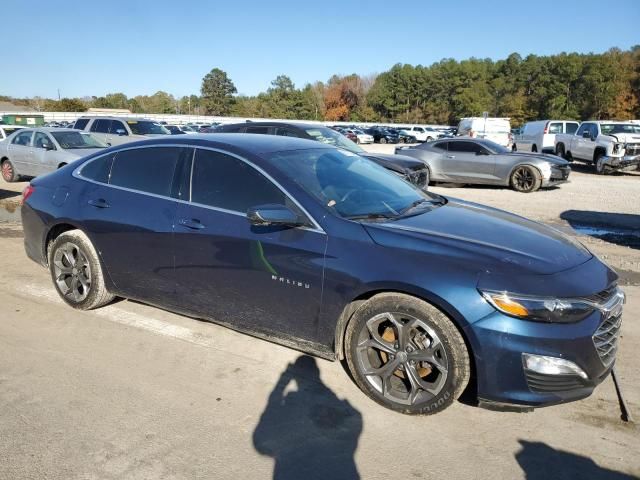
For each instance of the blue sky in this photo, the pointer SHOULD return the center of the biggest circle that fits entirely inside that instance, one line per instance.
(139, 47)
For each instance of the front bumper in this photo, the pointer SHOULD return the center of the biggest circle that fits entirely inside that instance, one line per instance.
(620, 163)
(556, 176)
(499, 341)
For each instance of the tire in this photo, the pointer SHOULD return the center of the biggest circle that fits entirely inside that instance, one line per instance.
(9, 172)
(76, 272)
(525, 179)
(407, 385)
(560, 151)
(514, 148)
(358, 141)
(534, 149)
(429, 139)
(600, 168)
(383, 140)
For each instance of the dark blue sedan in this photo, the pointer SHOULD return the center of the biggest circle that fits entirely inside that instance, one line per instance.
(322, 250)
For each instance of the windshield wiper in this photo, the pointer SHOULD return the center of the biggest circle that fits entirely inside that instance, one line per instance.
(420, 201)
(371, 216)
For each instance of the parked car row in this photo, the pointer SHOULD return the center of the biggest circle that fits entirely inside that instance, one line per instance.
(309, 244)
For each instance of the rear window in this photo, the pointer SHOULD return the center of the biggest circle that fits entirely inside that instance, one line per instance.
(572, 127)
(146, 169)
(258, 130)
(555, 128)
(98, 170)
(101, 126)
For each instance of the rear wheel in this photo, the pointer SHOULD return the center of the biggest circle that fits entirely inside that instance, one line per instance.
(76, 271)
(526, 179)
(406, 354)
(8, 172)
(560, 151)
(383, 140)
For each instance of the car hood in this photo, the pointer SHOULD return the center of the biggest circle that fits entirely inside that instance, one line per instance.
(397, 163)
(493, 240)
(553, 159)
(624, 137)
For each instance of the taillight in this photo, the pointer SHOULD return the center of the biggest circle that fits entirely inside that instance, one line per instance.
(546, 128)
(26, 193)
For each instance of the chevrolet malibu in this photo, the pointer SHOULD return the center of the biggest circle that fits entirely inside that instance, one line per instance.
(322, 250)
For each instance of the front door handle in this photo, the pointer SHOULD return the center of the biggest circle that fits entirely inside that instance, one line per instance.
(451, 156)
(99, 203)
(191, 223)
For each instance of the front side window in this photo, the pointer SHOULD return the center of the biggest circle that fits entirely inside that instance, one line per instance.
(465, 147)
(258, 130)
(23, 138)
(41, 140)
(286, 132)
(76, 140)
(148, 170)
(222, 181)
(439, 145)
(147, 127)
(101, 126)
(585, 127)
(118, 128)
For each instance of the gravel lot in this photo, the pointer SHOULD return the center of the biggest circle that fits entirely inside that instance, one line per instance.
(130, 392)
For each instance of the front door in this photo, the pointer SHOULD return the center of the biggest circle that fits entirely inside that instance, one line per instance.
(261, 279)
(40, 154)
(470, 161)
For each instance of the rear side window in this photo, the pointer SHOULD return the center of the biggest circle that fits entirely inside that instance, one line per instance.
(440, 145)
(98, 170)
(466, 147)
(101, 126)
(146, 169)
(222, 181)
(81, 123)
(23, 138)
(571, 128)
(260, 130)
(555, 128)
(286, 132)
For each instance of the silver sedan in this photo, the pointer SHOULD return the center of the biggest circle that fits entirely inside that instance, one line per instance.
(31, 152)
(478, 161)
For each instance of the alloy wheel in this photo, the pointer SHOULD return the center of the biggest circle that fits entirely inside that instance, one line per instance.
(72, 272)
(524, 179)
(402, 358)
(7, 171)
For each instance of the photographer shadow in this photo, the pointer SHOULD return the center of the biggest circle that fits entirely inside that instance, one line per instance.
(308, 430)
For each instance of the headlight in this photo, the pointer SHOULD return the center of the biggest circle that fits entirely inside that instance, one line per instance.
(617, 147)
(553, 310)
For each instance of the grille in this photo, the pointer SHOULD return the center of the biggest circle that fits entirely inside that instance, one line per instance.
(605, 295)
(632, 149)
(540, 383)
(606, 338)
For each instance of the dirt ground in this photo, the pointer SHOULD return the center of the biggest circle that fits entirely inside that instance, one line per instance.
(130, 391)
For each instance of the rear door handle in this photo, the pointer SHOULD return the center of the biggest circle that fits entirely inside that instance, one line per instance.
(99, 203)
(191, 223)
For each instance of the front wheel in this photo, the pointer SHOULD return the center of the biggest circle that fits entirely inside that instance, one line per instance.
(526, 179)
(406, 355)
(383, 140)
(599, 164)
(76, 271)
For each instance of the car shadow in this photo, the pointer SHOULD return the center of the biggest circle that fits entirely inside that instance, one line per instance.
(9, 194)
(618, 228)
(590, 169)
(306, 428)
(539, 461)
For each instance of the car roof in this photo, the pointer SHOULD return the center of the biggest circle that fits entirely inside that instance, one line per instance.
(110, 117)
(276, 124)
(251, 143)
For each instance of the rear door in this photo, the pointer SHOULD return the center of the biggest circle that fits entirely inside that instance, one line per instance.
(18, 151)
(470, 161)
(261, 279)
(129, 211)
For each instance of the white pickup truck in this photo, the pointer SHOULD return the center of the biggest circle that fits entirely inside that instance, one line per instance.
(607, 144)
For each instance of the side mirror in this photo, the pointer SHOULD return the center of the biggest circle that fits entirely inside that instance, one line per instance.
(121, 132)
(273, 215)
(482, 152)
(47, 146)
(586, 134)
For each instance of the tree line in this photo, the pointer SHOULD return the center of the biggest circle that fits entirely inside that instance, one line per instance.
(567, 85)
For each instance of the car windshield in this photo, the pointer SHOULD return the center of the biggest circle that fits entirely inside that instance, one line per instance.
(331, 137)
(352, 186)
(76, 140)
(613, 128)
(145, 127)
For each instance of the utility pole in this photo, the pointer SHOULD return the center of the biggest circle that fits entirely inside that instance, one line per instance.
(58, 94)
